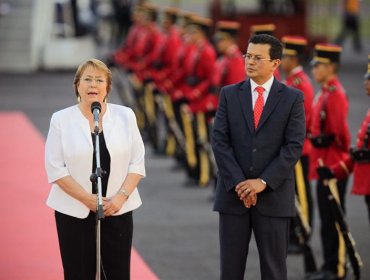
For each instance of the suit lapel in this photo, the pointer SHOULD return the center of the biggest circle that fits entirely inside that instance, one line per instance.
(84, 124)
(108, 120)
(272, 100)
(245, 97)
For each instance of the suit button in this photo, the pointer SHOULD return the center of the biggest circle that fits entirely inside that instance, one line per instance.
(254, 150)
(251, 168)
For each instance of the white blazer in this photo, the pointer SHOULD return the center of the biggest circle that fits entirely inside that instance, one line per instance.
(69, 151)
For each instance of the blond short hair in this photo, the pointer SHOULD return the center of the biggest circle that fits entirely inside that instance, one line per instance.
(97, 64)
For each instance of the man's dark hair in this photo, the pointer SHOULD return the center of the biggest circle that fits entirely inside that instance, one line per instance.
(276, 48)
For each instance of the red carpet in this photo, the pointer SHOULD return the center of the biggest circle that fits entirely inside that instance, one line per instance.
(28, 241)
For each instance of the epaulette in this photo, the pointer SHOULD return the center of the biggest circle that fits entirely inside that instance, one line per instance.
(332, 88)
(297, 81)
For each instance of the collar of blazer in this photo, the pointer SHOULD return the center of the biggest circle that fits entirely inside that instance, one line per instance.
(107, 122)
(245, 97)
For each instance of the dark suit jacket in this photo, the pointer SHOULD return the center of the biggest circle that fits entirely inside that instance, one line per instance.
(268, 152)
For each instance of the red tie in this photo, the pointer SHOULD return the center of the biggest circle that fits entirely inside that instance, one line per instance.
(258, 107)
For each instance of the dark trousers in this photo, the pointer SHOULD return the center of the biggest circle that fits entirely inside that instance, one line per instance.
(334, 251)
(78, 246)
(367, 202)
(351, 26)
(271, 236)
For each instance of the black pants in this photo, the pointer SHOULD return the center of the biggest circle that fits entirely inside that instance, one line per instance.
(350, 26)
(78, 246)
(271, 236)
(367, 202)
(334, 251)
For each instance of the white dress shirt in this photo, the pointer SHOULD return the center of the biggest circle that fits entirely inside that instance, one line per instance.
(267, 86)
(69, 152)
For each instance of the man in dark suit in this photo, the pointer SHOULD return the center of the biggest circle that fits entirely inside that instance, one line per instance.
(256, 147)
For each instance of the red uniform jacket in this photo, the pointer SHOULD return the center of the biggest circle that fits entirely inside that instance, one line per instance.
(229, 69)
(153, 45)
(168, 56)
(333, 98)
(361, 171)
(299, 80)
(178, 71)
(199, 68)
(134, 45)
(132, 35)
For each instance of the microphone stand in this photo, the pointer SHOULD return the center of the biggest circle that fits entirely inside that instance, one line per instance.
(95, 178)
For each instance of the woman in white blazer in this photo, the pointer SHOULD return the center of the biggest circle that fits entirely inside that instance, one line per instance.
(69, 162)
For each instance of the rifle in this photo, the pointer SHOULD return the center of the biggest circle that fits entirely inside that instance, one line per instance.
(165, 105)
(354, 257)
(303, 231)
(206, 145)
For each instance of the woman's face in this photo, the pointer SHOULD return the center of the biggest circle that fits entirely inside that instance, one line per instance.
(92, 86)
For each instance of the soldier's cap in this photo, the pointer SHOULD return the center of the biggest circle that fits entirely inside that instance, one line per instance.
(151, 10)
(202, 23)
(326, 53)
(137, 8)
(187, 16)
(226, 29)
(294, 45)
(258, 29)
(172, 13)
(150, 7)
(367, 75)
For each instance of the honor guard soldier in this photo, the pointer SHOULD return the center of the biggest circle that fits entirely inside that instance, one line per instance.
(166, 85)
(191, 89)
(153, 42)
(135, 37)
(359, 160)
(167, 60)
(229, 67)
(200, 67)
(265, 29)
(291, 65)
(193, 82)
(330, 137)
(157, 67)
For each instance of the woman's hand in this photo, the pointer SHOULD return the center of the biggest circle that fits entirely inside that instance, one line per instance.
(90, 202)
(113, 204)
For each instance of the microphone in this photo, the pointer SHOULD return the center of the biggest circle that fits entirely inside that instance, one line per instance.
(95, 110)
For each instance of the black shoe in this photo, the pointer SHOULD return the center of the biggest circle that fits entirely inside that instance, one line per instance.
(294, 248)
(190, 182)
(322, 275)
